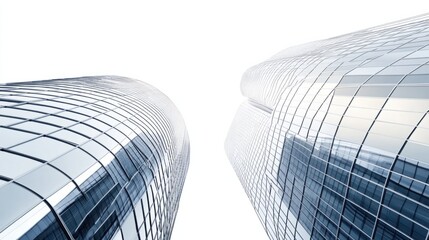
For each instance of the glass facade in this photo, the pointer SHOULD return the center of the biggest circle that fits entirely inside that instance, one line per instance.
(89, 158)
(333, 141)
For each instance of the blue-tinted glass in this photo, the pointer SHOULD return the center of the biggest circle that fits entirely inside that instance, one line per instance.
(47, 228)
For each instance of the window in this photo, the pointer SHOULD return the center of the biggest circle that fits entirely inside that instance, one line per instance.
(44, 180)
(37, 148)
(74, 163)
(13, 165)
(15, 202)
(14, 137)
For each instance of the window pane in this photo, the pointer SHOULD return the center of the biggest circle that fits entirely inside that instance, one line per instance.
(14, 202)
(408, 118)
(365, 71)
(20, 113)
(410, 79)
(39, 108)
(139, 213)
(73, 115)
(411, 92)
(407, 104)
(385, 143)
(57, 121)
(86, 130)
(10, 137)
(391, 129)
(98, 125)
(422, 70)
(350, 135)
(38, 148)
(44, 180)
(13, 165)
(419, 54)
(382, 79)
(397, 70)
(416, 151)
(70, 136)
(74, 163)
(95, 149)
(129, 228)
(36, 127)
(5, 121)
(375, 91)
(420, 135)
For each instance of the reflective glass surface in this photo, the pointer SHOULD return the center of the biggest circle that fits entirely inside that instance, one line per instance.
(333, 141)
(89, 158)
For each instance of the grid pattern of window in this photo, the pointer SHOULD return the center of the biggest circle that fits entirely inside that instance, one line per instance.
(333, 142)
(89, 158)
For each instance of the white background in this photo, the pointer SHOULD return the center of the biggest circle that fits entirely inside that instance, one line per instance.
(193, 51)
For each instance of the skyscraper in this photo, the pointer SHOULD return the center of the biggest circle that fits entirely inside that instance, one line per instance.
(89, 158)
(333, 141)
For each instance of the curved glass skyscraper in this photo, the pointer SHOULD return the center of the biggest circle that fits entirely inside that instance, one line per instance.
(89, 158)
(333, 141)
